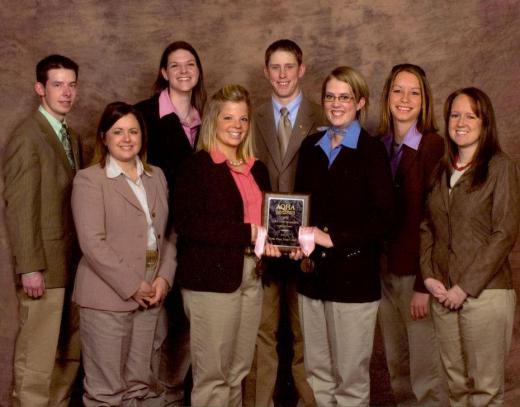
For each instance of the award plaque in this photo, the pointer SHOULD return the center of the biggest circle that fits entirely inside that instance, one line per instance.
(283, 214)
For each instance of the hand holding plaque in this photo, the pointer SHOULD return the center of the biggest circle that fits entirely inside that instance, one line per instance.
(283, 214)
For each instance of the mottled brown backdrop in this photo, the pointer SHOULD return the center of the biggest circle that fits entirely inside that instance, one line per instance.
(118, 45)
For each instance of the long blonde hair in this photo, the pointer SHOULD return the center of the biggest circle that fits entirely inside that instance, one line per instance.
(208, 132)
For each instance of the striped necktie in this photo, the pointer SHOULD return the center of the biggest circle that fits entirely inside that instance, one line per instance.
(65, 140)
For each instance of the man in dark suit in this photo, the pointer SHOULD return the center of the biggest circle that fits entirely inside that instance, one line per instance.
(282, 124)
(40, 160)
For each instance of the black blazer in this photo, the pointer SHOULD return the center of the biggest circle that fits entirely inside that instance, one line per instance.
(209, 221)
(352, 201)
(168, 145)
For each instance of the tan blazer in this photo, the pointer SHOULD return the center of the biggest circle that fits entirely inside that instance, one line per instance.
(282, 170)
(466, 237)
(38, 184)
(112, 233)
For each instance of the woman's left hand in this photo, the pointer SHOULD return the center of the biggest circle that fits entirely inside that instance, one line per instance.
(161, 289)
(455, 297)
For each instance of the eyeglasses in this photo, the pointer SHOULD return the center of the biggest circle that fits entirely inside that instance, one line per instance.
(330, 98)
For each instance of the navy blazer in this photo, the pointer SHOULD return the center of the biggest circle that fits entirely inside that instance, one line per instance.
(209, 222)
(352, 201)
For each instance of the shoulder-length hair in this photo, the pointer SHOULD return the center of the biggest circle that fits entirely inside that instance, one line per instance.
(112, 113)
(357, 82)
(198, 93)
(208, 131)
(488, 144)
(426, 119)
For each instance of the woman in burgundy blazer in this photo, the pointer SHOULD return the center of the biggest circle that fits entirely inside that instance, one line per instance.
(120, 211)
(408, 132)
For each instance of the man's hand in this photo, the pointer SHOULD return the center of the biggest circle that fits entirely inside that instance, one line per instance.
(33, 284)
(436, 288)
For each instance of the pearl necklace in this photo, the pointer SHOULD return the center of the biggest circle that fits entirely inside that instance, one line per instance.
(236, 163)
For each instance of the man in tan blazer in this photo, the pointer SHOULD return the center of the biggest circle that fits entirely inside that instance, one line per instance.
(40, 160)
(289, 114)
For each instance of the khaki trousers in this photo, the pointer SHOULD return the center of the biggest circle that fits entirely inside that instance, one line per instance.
(266, 355)
(117, 356)
(338, 340)
(47, 353)
(223, 329)
(411, 348)
(474, 343)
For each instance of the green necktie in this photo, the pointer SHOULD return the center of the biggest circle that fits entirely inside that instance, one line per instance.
(65, 140)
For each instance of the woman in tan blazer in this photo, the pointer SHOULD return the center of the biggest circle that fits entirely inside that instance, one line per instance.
(470, 228)
(120, 208)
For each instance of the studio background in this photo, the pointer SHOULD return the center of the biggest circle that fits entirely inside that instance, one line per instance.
(118, 44)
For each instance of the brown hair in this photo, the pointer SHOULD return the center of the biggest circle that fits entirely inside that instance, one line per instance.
(284, 45)
(488, 144)
(426, 119)
(198, 93)
(112, 113)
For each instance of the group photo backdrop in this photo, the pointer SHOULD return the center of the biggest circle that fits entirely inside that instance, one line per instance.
(118, 44)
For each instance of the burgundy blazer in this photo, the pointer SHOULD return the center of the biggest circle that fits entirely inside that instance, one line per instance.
(112, 233)
(411, 183)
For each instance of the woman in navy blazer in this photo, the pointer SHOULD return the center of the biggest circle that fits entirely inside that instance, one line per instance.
(347, 174)
(120, 209)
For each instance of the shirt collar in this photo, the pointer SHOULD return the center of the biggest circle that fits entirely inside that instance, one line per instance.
(55, 123)
(292, 106)
(412, 138)
(166, 107)
(113, 170)
(218, 158)
(350, 136)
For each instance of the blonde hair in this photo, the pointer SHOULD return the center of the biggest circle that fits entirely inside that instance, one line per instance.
(208, 132)
(357, 82)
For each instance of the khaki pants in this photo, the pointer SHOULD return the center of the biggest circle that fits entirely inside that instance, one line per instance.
(47, 353)
(338, 340)
(474, 343)
(223, 329)
(266, 356)
(411, 348)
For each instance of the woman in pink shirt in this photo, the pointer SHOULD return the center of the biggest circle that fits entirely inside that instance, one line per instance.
(173, 118)
(217, 208)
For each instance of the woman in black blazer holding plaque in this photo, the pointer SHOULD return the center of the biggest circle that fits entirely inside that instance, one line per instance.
(348, 176)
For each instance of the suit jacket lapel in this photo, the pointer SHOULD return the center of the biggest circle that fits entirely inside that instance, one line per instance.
(151, 191)
(303, 126)
(122, 187)
(268, 132)
(52, 139)
(408, 157)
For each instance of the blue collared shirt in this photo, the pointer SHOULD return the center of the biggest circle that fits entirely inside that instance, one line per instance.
(292, 107)
(350, 140)
(412, 139)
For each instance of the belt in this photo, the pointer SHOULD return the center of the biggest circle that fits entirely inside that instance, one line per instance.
(152, 257)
